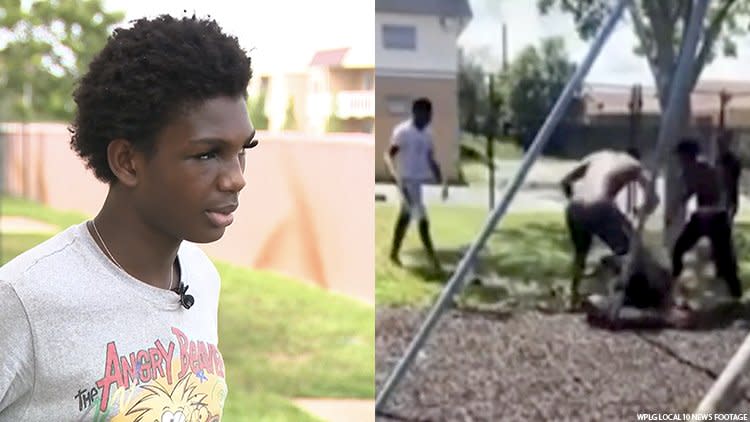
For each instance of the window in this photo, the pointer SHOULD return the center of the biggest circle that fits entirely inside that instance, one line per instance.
(399, 37)
(398, 105)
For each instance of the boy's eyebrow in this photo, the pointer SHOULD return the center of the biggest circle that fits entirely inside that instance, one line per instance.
(214, 141)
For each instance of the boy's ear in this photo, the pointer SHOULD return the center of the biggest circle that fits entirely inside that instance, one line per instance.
(123, 161)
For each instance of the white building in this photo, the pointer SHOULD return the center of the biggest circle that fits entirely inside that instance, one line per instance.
(416, 55)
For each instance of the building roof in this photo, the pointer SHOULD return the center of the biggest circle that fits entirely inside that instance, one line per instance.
(329, 58)
(357, 57)
(614, 99)
(448, 8)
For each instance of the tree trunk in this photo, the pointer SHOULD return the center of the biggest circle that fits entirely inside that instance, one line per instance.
(674, 188)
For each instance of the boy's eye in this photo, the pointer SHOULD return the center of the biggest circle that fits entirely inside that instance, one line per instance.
(213, 153)
(247, 146)
(206, 156)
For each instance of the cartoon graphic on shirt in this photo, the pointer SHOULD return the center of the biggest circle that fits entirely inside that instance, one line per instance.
(180, 382)
(181, 404)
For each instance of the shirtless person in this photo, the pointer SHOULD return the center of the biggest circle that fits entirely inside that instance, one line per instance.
(592, 209)
(712, 217)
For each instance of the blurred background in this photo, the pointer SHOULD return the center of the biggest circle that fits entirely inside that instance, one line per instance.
(296, 313)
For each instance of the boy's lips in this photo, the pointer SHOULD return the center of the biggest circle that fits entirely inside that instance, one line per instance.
(224, 209)
(222, 216)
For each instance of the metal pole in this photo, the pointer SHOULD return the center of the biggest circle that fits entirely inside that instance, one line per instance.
(738, 365)
(679, 91)
(536, 147)
(505, 47)
(740, 362)
(636, 144)
(632, 108)
(670, 122)
(490, 129)
(724, 98)
(491, 162)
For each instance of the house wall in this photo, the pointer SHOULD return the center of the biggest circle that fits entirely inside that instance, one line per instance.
(436, 48)
(427, 71)
(277, 99)
(297, 84)
(351, 79)
(357, 125)
(443, 93)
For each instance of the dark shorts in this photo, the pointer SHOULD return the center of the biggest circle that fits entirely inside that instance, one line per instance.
(601, 219)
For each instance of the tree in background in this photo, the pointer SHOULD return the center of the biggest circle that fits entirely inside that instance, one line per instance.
(532, 84)
(257, 111)
(472, 95)
(659, 27)
(290, 121)
(334, 124)
(50, 47)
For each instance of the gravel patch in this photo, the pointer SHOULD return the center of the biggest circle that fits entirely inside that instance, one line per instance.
(528, 365)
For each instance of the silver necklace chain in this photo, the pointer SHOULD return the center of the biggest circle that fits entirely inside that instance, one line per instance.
(110, 256)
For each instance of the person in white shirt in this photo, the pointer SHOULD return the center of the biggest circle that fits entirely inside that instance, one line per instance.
(411, 162)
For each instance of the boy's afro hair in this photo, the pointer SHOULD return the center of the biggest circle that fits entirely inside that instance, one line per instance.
(147, 75)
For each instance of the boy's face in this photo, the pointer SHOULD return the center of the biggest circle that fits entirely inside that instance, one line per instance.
(422, 118)
(191, 183)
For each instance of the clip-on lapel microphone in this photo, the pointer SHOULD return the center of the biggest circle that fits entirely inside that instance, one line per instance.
(186, 300)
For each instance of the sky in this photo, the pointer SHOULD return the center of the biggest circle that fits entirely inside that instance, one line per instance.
(280, 35)
(615, 64)
(283, 35)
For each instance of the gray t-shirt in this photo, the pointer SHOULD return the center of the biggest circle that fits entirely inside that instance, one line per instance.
(82, 340)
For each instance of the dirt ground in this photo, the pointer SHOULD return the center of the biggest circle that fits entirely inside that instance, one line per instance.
(528, 365)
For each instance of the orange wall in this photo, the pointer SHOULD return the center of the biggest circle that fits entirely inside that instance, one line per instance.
(306, 211)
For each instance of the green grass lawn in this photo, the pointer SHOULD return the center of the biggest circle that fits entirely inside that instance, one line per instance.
(476, 147)
(530, 248)
(475, 172)
(12, 206)
(280, 338)
(529, 251)
(473, 163)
